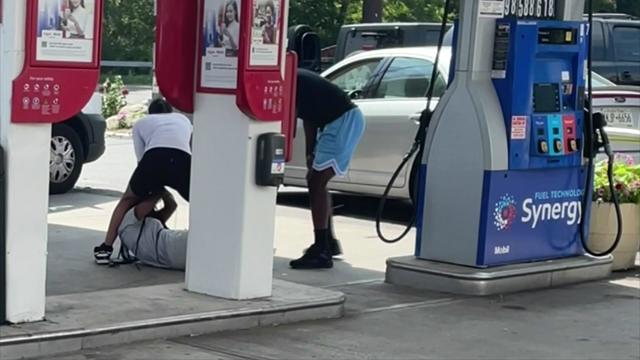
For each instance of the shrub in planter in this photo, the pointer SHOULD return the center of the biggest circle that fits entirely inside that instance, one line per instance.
(113, 96)
(626, 176)
(127, 117)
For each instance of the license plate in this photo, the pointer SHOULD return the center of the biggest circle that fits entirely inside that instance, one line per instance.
(619, 118)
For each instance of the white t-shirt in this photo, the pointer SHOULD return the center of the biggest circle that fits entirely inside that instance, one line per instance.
(234, 31)
(158, 246)
(82, 17)
(171, 130)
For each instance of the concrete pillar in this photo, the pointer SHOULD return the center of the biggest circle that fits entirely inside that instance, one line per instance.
(27, 181)
(232, 221)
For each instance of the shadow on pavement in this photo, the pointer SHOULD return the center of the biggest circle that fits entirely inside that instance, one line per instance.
(78, 199)
(71, 269)
(356, 206)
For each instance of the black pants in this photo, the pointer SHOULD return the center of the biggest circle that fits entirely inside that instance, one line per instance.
(162, 167)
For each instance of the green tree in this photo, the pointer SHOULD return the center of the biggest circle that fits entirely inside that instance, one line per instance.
(603, 6)
(128, 30)
(325, 17)
(631, 7)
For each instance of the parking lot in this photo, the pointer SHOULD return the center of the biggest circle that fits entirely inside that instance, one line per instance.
(599, 320)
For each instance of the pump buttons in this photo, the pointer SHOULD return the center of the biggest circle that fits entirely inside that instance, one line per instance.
(543, 147)
(557, 145)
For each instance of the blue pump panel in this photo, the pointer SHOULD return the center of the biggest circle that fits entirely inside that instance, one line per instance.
(539, 75)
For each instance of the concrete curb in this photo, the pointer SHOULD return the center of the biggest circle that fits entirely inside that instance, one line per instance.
(71, 336)
(119, 134)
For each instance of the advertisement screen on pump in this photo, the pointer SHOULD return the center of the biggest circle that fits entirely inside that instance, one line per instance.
(220, 39)
(265, 35)
(65, 31)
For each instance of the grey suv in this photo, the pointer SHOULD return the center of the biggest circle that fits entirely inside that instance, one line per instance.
(616, 48)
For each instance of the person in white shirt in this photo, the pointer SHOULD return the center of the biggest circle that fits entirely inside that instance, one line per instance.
(162, 143)
(146, 238)
(230, 29)
(75, 20)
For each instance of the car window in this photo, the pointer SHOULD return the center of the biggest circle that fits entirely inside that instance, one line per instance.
(598, 81)
(356, 76)
(627, 43)
(409, 78)
(597, 48)
(361, 39)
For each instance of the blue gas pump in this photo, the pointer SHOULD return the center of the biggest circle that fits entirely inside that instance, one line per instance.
(532, 209)
(503, 179)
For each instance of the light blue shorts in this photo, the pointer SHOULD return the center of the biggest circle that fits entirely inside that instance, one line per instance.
(338, 141)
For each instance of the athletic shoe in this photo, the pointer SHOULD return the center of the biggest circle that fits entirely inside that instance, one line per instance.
(334, 245)
(102, 254)
(312, 260)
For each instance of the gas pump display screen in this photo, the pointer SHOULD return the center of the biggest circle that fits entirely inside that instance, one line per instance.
(557, 36)
(546, 98)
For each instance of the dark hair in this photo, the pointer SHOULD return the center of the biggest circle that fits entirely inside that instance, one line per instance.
(81, 4)
(270, 4)
(160, 106)
(234, 5)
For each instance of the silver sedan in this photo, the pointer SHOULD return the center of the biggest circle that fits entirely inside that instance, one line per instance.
(389, 86)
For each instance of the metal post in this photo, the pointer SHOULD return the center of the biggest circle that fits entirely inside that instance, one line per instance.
(3, 244)
(372, 11)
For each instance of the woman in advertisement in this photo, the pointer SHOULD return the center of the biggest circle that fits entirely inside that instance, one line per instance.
(269, 27)
(230, 29)
(75, 19)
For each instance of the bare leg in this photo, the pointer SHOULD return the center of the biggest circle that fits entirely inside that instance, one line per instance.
(128, 200)
(319, 198)
(318, 256)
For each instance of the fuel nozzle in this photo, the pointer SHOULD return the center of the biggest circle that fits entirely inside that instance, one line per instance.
(599, 124)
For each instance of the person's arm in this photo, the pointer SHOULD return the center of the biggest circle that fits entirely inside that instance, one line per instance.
(147, 208)
(79, 28)
(232, 34)
(310, 136)
(167, 210)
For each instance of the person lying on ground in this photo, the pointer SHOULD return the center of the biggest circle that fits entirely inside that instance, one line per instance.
(146, 239)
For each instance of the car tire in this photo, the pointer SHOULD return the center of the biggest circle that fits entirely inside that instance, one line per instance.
(66, 159)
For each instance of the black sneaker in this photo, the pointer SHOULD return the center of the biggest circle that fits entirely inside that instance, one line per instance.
(102, 254)
(334, 245)
(313, 260)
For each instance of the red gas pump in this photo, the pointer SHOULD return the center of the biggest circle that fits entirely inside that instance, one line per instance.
(238, 90)
(62, 62)
(239, 52)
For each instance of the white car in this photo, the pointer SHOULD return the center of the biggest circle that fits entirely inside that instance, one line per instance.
(389, 86)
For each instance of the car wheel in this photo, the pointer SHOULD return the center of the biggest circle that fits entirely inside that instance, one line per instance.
(66, 159)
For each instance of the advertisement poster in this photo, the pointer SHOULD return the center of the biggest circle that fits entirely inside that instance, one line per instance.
(220, 36)
(65, 30)
(265, 33)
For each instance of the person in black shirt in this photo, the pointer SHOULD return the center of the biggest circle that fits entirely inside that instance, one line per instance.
(333, 127)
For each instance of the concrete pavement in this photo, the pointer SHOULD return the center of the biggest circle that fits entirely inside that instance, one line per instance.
(599, 320)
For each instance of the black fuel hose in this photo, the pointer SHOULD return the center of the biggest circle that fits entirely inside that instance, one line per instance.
(418, 142)
(594, 123)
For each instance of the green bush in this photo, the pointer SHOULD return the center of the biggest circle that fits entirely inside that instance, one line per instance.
(627, 180)
(113, 96)
(126, 117)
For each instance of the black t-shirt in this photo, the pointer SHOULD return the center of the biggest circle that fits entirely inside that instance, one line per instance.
(318, 100)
